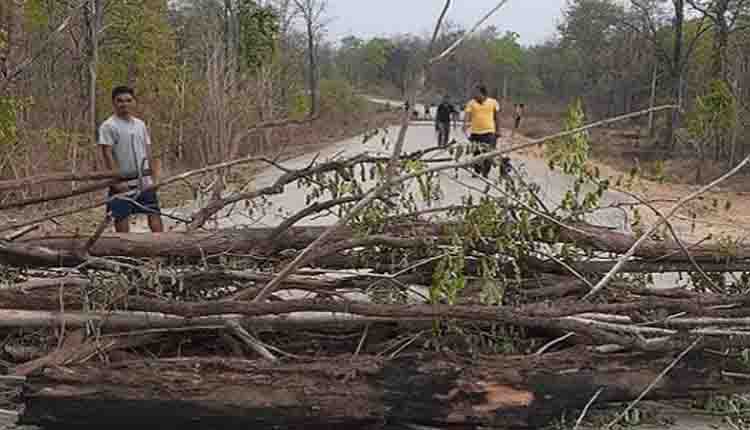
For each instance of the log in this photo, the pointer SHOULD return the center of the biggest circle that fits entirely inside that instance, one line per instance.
(605, 239)
(670, 257)
(202, 244)
(178, 244)
(158, 314)
(14, 184)
(516, 392)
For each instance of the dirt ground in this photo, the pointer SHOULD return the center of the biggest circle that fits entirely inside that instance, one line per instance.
(720, 214)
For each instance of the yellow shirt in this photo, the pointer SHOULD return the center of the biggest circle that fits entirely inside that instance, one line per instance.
(483, 115)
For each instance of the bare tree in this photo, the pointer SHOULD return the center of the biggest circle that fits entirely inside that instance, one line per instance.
(724, 16)
(312, 14)
(647, 16)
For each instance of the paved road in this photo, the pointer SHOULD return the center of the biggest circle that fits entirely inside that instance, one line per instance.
(420, 136)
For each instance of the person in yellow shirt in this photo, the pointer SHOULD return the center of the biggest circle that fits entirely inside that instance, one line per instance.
(482, 121)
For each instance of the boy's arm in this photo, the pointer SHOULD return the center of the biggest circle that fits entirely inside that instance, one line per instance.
(153, 162)
(467, 117)
(497, 120)
(105, 145)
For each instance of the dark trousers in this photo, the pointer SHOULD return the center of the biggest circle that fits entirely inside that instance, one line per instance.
(487, 143)
(444, 133)
(484, 143)
(146, 202)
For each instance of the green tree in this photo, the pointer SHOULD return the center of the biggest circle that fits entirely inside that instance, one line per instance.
(258, 33)
(507, 55)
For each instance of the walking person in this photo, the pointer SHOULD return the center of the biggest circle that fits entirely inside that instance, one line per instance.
(126, 146)
(456, 115)
(517, 115)
(482, 118)
(443, 118)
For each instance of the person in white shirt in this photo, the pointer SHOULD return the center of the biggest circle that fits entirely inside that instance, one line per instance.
(126, 146)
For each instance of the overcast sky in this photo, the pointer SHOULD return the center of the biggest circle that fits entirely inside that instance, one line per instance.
(534, 20)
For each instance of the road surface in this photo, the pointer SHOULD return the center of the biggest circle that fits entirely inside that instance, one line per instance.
(420, 136)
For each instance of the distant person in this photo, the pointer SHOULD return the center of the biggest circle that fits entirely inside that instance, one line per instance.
(406, 106)
(427, 112)
(443, 117)
(126, 146)
(456, 115)
(483, 120)
(517, 115)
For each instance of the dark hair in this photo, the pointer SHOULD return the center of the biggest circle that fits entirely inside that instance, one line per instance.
(122, 89)
(482, 90)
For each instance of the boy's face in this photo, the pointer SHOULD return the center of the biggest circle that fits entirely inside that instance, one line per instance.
(124, 104)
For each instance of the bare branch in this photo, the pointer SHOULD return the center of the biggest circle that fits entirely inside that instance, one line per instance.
(646, 235)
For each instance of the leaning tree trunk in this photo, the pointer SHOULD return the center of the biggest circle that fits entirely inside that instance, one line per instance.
(721, 41)
(512, 393)
(313, 77)
(675, 72)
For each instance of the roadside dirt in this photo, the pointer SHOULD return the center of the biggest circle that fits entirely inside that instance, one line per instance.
(721, 214)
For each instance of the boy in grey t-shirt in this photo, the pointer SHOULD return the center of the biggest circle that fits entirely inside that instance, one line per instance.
(126, 146)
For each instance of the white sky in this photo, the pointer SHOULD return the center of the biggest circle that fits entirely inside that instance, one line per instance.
(534, 20)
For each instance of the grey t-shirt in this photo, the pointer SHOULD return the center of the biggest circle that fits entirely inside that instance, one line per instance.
(128, 139)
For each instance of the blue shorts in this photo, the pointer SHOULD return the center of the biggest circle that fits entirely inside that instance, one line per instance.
(147, 203)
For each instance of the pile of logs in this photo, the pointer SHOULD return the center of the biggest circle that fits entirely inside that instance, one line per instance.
(269, 326)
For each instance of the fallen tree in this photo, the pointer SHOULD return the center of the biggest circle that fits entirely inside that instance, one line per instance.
(515, 392)
(498, 269)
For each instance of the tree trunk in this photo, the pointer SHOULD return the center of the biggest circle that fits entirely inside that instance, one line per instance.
(200, 244)
(676, 69)
(95, 17)
(737, 90)
(516, 392)
(652, 101)
(16, 39)
(721, 40)
(313, 77)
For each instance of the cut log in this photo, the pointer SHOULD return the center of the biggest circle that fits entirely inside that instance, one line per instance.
(179, 244)
(14, 184)
(513, 392)
(607, 240)
(200, 244)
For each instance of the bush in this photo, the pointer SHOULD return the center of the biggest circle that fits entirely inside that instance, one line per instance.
(338, 97)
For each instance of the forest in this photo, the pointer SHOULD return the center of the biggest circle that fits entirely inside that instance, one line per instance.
(327, 265)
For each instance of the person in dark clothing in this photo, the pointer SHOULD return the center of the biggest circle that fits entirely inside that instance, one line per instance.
(518, 114)
(443, 120)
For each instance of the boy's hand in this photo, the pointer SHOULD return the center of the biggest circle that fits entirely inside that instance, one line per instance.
(119, 187)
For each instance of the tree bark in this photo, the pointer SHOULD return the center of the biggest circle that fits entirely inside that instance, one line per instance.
(719, 10)
(517, 392)
(201, 244)
(652, 101)
(676, 68)
(313, 67)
